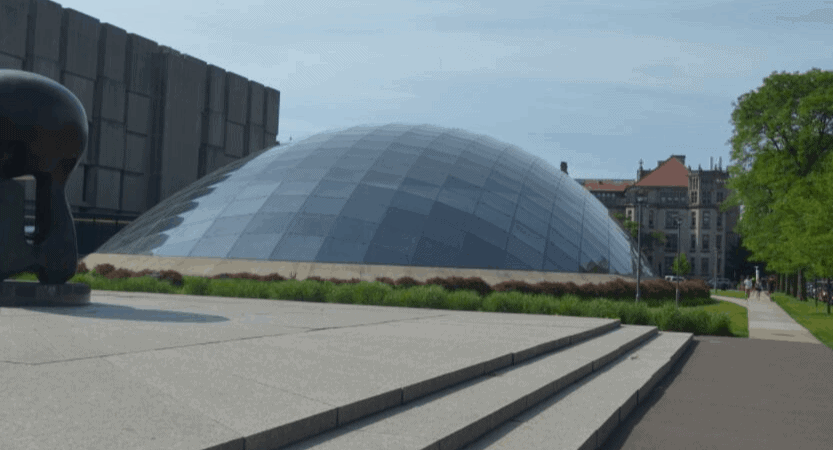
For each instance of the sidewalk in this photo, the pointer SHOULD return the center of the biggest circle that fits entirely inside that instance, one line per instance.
(728, 392)
(736, 393)
(768, 321)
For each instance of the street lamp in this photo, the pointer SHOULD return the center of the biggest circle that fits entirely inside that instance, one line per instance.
(716, 258)
(679, 221)
(639, 200)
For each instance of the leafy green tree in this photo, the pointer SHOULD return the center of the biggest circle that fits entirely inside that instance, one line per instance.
(628, 225)
(681, 265)
(781, 150)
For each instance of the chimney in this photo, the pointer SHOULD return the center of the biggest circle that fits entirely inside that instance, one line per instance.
(564, 167)
(720, 163)
(639, 172)
(711, 162)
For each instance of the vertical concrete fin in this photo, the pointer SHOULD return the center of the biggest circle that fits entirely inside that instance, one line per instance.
(14, 23)
(112, 45)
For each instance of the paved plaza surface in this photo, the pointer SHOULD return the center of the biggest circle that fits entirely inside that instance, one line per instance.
(139, 370)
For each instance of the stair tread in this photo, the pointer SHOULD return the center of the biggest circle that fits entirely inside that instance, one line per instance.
(479, 405)
(582, 415)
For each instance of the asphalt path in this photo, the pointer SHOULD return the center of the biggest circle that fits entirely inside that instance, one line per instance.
(769, 391)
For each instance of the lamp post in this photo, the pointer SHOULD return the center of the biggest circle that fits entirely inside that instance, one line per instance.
(639, 200)
(679, 221)
(716, 259)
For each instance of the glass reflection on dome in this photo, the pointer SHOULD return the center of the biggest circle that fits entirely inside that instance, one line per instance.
(392, 194)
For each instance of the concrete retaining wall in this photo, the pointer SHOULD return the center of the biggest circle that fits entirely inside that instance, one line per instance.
(158, 119)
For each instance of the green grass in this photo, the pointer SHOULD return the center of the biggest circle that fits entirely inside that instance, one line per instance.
(699, 316)
(738, 317)
(814, 318)
(732, 293)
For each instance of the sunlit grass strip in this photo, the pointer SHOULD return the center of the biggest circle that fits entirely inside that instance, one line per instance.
(701, 316)
(738, 317)
(735, 294)
(814, 318)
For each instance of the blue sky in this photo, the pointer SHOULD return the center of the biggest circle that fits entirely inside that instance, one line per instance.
(599, 84)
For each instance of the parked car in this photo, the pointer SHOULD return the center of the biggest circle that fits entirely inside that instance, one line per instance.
(674, 278)
(722, 283)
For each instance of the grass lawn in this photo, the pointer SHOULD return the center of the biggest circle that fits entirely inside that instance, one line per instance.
(732, 293)
(703, 316)
(737, 315)
(814, 318)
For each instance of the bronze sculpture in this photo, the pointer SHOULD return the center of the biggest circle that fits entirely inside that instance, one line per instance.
(43, 133)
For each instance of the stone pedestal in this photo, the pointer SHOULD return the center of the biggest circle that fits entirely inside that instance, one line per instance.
(32, 293)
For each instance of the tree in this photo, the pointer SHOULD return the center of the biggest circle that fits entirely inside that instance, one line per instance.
(781, 150)
(628, 225)
(738, 262)
(681, 265)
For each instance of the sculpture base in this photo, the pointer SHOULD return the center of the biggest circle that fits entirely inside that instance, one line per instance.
(33, 293)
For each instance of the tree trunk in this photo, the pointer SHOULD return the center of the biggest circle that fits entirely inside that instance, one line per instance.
(793, 285)
(800, 287)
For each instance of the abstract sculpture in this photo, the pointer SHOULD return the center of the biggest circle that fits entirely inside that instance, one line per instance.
(43, 133)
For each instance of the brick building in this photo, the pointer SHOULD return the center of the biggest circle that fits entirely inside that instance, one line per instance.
(675, 192)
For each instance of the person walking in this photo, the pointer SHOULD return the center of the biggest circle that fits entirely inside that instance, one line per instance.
(747, 284)
(758, 287)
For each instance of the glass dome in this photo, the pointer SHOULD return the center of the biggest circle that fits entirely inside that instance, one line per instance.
(395, 194)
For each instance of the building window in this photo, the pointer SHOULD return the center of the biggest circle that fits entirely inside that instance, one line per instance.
(671, 243)
(630, 214)
(693, 196)
(704, 266)
(719, 219)
(706, 219)
(693, 219)
(705, 240)
(651, 219)
(669, 263)
(670, 219)
(719, 197)
(719, 272)
(718, 241)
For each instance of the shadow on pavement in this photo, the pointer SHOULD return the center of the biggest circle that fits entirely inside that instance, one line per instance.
(119, 312)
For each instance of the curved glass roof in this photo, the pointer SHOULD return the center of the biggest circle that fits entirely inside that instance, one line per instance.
(393, 194)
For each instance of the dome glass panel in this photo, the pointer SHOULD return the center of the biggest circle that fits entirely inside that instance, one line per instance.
(394, 194)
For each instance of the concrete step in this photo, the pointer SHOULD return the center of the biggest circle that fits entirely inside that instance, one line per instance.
(457, 416)
(583, 415)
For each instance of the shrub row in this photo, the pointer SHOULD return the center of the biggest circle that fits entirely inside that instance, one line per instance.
(112, 273)
(617, 289)
(434, 294)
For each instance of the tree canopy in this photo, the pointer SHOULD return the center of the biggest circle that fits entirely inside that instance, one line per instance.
(681, 265)
(782, 171)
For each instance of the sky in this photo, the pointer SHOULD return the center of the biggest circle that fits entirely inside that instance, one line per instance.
(598, 84)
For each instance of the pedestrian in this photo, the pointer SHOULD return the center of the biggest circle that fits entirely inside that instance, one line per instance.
(747, 284)
(758, 288)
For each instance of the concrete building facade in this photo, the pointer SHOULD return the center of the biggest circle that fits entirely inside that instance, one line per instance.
(159, 119)
(674, 191)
